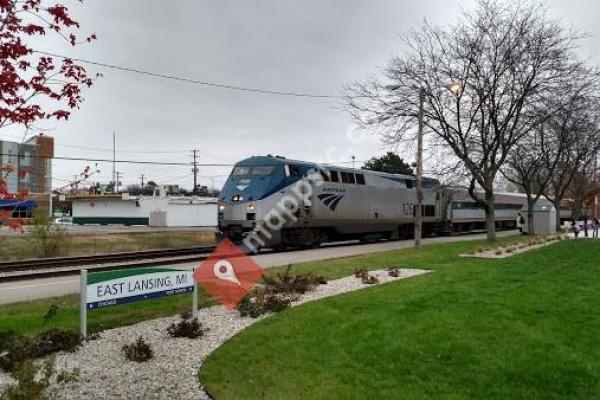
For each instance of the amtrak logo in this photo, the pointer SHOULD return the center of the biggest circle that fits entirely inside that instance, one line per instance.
(241, 187)
(330, 200)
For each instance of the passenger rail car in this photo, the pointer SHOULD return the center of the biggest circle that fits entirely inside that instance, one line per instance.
(344, 203)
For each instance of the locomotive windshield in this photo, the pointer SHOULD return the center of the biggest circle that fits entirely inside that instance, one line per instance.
(260, 170)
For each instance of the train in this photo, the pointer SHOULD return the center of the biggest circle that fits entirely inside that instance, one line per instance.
(344, 204)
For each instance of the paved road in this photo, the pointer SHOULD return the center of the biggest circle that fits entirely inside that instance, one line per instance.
(12, 292)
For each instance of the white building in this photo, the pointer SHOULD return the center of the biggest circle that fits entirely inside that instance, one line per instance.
(162, 211)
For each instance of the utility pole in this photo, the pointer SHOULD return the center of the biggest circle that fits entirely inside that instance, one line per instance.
(118, 175)
(114, 171)
(419, 207)
(353, 159)
(456, 88)
(142, 178)
(195, 171)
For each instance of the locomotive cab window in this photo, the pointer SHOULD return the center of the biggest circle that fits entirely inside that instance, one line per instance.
(292, 170)
(263, 170)
(334, 176)
(360, 179)
(346, 177)
(241, 171)
(324, 175)
(352, 178)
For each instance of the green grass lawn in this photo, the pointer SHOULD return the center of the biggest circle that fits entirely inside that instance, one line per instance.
(28, 317)
(524, 327)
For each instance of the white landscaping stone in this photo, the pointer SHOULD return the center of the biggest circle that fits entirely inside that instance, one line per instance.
(491, 253)
(173, 372)
(5, 380)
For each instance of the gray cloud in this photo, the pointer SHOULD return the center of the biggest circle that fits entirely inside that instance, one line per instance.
(306, 46)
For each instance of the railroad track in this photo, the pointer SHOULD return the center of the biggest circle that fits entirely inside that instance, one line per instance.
(63, 266)
(59, 266)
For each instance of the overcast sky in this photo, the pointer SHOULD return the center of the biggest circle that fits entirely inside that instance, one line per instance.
(311, 46)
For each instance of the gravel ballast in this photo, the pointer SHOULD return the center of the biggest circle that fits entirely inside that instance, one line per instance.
(104, 372)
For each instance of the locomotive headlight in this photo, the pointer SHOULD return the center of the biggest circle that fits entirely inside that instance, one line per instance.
(250, 207)
(221, 207)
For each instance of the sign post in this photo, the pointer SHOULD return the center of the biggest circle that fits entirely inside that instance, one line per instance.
(111, 288)
(195, 299)
(83, 304)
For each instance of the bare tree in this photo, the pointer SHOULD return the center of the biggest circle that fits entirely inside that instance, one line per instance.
(578, 190)
(578, 127)
(504, 57)
(564, 117)
(525, 167)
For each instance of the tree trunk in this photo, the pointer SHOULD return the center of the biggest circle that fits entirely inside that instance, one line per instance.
(490, 215)
(530, 223)
(556, 202)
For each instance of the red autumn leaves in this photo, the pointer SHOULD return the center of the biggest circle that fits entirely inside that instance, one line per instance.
(35, 87)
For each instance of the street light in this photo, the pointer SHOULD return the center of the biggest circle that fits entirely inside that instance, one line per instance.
(456, 89)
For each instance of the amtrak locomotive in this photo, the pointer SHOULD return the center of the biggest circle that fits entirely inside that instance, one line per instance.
(344, 203)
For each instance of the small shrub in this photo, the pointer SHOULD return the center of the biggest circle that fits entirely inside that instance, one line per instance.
(32, 382)
(17, 350)
(139, 351)
(509, 250)
(359, 273)
(365, 277)
(287, 283)
(498, 252)
(370, 280)
(274, 303)
(394, 272)
(246, 307)
(47, 239)
(54, 340)
(187, 327)
(65, 377)
(261, 302)
(6, 337)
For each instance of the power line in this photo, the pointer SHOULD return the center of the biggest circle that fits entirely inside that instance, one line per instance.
(122, 151)
(119, 161)
(62, 158)
(193, 81)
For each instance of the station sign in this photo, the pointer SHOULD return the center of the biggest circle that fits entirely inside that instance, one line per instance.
(111, 288)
